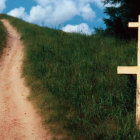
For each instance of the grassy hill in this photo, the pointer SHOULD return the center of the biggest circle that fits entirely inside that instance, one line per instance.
(74, 82)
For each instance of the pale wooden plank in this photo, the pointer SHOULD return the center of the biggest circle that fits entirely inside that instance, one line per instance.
(138, 50)
(133, 24)
(127, 70)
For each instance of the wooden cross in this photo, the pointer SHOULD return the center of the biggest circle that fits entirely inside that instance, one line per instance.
(134, 70)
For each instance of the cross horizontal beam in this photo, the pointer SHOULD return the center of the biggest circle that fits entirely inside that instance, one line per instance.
(133, 24)
(128, 70)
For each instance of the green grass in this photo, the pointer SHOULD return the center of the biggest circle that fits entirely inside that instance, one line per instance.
(74, 82)
(2, 37)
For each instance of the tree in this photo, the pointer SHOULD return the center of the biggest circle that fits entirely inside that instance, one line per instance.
(119, 16)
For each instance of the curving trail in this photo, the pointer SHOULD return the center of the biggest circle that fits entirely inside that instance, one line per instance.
(18, 118)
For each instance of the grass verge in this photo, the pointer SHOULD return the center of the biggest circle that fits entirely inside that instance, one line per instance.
(2, 37)
(74, 82)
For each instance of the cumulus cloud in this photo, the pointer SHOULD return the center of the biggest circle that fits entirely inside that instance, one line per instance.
(87, 12)
(81, 28)
(2, 5)
(55, 12)
(18, 12)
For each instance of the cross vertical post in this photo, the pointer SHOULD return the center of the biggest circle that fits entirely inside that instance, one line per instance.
(138, 82)
(134, 70)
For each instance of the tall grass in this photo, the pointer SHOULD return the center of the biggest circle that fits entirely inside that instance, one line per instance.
(74, 81)
(2, 37)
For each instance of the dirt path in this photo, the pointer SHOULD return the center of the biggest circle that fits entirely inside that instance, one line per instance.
(18, 118)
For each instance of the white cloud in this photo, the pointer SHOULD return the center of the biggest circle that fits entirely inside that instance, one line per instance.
(39, 14)
(115, 5)
(87, 12)
(2, 5)
(18, 12)
(81, 28)
(55, 12)
(99, 3)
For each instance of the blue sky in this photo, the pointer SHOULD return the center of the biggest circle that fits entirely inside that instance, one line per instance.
(68, 15)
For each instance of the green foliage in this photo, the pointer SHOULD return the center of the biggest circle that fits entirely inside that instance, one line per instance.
(117, 23)
(2, 37)
(73, 78)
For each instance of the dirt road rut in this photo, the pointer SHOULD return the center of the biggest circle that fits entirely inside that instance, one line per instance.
(18, 118)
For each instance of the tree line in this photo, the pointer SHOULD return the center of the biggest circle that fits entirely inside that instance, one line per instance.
(119, 16)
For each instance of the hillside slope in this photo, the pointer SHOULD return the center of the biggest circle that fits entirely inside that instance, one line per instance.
(2, 37)
(73, 79)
